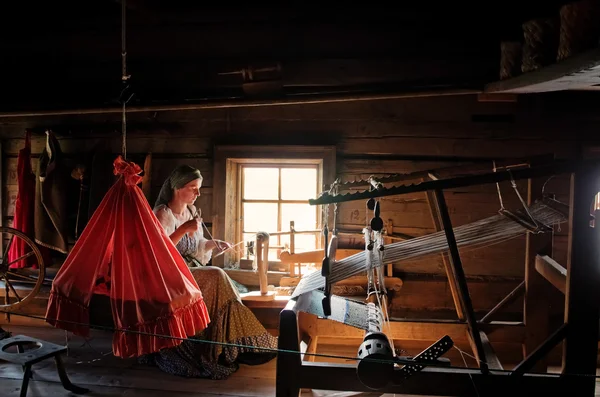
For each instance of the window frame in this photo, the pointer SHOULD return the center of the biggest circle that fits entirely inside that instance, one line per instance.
(279, 201)
(227, 189)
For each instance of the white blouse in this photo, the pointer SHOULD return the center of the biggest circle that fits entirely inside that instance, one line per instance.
(194, 246)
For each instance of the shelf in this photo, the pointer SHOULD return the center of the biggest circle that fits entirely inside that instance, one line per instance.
(579, 72)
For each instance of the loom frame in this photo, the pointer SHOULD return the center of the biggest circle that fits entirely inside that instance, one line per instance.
(582, 307)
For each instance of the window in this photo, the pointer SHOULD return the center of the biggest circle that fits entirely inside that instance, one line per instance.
(263, 188)
(275, 195)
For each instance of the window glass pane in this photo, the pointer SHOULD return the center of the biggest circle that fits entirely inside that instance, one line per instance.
(273, 251)
(305, 242)
(303, 215)
(261, 183)
(302, 242)
(248, 238)
(298, 183)
(260, 217)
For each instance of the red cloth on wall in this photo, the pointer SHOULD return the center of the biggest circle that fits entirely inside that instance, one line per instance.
(151, 288)
(24, 210)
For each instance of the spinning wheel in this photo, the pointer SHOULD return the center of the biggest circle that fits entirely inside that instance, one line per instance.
(13, 279)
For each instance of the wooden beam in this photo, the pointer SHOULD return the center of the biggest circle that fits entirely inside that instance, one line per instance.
(552, 271)
(490, 355)
(461, 281)
(436, 219)
(294, 374)
(501, 332)
(249, 278)
(430, 381)
(289, 340)
(500, 97)
(315, 256)
(508, 299)
(577, 72)
(391, 283)
(530, 361)
(536, 309)
(580, 348)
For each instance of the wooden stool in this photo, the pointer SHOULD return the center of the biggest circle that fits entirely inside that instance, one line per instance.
(28, 358)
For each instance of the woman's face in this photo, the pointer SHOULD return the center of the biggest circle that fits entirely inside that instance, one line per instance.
(189, 193)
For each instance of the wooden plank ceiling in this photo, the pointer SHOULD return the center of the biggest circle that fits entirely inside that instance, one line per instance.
(67, 54)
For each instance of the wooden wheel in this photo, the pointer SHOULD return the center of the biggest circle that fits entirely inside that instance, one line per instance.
(20, 285)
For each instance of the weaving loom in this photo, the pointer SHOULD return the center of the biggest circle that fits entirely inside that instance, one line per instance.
(497, 228)
(313, 293)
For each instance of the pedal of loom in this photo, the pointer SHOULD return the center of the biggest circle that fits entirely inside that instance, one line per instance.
(442, 361)
(255, 296)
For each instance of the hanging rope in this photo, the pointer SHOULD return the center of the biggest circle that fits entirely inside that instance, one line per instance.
(498, 189)
(523, 203)
(124, 78)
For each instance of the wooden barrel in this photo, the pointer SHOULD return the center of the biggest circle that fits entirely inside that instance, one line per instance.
(540, 43)
(579, 28)
(510, 59)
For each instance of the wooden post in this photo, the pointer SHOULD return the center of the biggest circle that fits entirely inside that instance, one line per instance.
(288, 364)
(435, 217)
(459, 275)
(261, 255)
(389, 232)
(580, 349)
(536, 310)
(516, 293)
(292, 266)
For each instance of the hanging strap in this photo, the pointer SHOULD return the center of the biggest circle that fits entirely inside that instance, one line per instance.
(124, 78)
(531, 224)
(27, 139)
(498, 188)
(523, 203)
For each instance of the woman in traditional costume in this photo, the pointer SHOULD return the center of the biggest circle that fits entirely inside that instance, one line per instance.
(231, 321)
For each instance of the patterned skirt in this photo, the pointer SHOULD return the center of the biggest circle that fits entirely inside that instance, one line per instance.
(204, 356)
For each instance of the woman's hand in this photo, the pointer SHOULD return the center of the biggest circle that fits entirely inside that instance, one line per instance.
(191, 226)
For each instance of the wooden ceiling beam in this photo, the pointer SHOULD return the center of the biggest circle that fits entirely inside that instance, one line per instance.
(156, 80)
(290, 41)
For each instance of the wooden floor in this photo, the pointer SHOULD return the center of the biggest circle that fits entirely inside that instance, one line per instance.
(90, 364)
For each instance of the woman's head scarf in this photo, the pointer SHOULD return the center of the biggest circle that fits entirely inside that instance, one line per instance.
(181, 176)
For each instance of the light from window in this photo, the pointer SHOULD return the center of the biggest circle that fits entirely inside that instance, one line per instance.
(272, 196)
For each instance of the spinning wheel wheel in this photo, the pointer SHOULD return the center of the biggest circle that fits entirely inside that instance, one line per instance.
(20, 285)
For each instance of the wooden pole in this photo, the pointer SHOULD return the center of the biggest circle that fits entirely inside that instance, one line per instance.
(435, 217)
(461, 280)
(262, 267)
(582, 306)
(536, 309)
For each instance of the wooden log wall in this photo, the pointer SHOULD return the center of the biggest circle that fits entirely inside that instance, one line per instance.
(378, 137)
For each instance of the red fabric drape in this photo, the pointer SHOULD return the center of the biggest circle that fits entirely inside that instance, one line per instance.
(151, 288)
(24, 210)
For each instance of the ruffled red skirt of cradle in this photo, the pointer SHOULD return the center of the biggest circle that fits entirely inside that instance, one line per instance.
(155, 301)
(138, 339)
